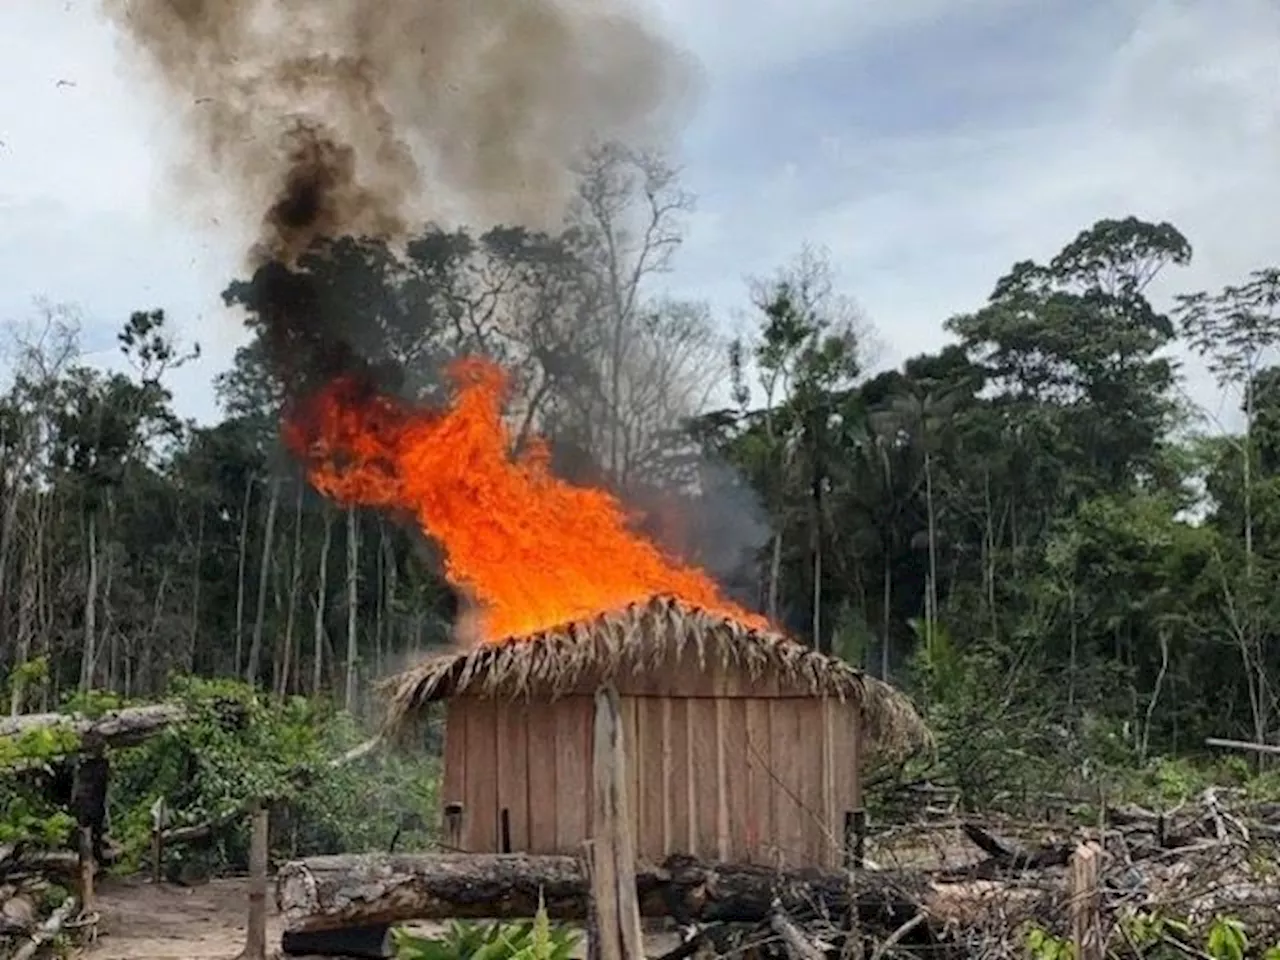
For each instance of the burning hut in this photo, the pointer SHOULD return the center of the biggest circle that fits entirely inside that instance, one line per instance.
(744, 745)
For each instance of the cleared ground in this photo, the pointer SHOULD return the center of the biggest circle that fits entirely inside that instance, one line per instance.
(140, 921)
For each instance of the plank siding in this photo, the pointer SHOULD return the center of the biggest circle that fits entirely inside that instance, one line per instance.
(513, 773)
(480, 830)
(741, 845)
(704, 781)
(742, 778)
(543, 786)
(786, 774)
(574, 724)
(760, 833)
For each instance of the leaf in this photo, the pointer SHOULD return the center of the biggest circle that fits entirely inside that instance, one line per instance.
(1226, 940)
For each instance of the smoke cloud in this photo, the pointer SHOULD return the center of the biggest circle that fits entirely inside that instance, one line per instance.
(332, 118)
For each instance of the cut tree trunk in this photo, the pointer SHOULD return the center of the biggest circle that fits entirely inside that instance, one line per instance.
(335, 892)
(118, 728)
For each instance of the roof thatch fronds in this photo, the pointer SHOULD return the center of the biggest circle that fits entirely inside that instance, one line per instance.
(639, 640)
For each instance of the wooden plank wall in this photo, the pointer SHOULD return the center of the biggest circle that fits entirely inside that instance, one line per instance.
(531, 760)
(748, 779)
(743, 779)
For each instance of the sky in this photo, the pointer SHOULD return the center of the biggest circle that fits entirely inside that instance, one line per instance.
(926, 144)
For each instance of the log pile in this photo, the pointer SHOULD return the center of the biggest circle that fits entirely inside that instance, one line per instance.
(1207, 858)
(369, 889)
(26, 879)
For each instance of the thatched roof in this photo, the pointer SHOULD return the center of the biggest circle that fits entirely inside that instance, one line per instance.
(635, 641)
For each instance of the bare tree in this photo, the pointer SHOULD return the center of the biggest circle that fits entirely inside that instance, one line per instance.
(652, 362)
(39, 353)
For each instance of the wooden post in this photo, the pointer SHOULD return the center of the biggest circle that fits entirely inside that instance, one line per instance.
(158, 820)
(255, 946)
(613, 857)
(1086, 902)
(88, 867)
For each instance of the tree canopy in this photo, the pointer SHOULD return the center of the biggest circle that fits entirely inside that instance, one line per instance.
(1025, 528)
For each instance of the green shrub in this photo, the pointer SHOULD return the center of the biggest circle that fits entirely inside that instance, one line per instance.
(238, 745)
(26, 815)
(530, 940)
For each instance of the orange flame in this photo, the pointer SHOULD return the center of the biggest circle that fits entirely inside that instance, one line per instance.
(532, 551)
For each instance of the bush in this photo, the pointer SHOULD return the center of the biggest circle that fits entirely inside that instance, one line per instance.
(536, 940)
(27, 816)
(238, 745)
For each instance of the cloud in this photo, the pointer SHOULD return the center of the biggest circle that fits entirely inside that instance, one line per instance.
(85, 216)
(928, 144)
(1170, 114)
(737, 38)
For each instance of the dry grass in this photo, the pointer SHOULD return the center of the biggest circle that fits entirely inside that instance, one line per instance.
(638, 640)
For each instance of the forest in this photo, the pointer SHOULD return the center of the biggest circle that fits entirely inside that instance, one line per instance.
(1032, 530)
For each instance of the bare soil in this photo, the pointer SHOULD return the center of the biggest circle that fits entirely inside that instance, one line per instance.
(144, 921)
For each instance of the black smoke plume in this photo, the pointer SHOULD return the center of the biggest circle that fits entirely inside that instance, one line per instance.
(332, 118)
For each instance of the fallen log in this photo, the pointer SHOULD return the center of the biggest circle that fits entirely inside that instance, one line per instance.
(1247, 745)
(368, 890)
(126, 727)
(1004, 857)
(60, 863)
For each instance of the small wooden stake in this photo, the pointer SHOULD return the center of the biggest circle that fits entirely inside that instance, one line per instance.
(255, 947)
(1086, 902)
(157, 840)
(453, 826)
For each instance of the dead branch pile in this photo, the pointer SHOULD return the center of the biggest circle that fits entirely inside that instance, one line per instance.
(983, 896)
(26, 880)
(1213, 857)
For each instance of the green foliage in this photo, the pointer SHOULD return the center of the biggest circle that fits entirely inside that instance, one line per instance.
(1155, 936)
(26, 815)
(238, 746)
(532, 940)
(1042, 945)
(27, 677)
(1227, 939)
(92, 703)
(1020, 527)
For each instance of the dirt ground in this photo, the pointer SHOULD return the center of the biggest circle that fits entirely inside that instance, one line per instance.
(141, 921)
